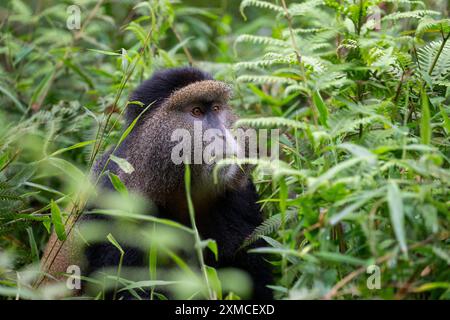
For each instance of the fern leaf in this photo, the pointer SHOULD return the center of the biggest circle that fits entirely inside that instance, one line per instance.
(259, 4)
(265, 79)
(262, 40)
(294, 88)
(271, 122)
(408, 2)
(298, 9)
(269, 226)
(441, 68)
(286, 33)
(289, 60)
(416, 14)
(431, 25)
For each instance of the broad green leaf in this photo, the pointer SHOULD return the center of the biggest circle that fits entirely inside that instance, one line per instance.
(75, 146)
(187, 186)
(11, 96)
(214, 281)
(321, 107)
(68, 168)
(33, 245)
(346, 211)
(432, 286)
(42, 87)
(358, 151)
(22, 293)
(57, 221)
(4, 160)
(124, 60)
(430, 216)
(123, 164)
(445, 118)
(283, 197)
(180, 263)
(148, 283)
(117, 183)
(395, 203)
(425, 121)
(44, 188)
(82, 73)
(108, 53)
(153, 258)
(115, 213)
(441, 253)
(314, 183)
(47, 225)
(340, 258)
(131, 126)
(211, 245)
(114, 242)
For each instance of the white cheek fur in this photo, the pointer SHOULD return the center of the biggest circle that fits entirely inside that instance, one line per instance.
(231, 145)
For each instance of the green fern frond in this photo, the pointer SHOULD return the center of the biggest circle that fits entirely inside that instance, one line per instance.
(275, 56)
(408, 2)
(259, 4)
(443, 83)
(329, 79)
(4, 185)
(404, 59)
(346, 125)
(441, 67)
(416, 14)
(7, 196)
(298, 9)
(272, 58)
(319, 46)
(275, 168)
(315, 63)
(286, 33)
(269, 226)
(251, 65)
(265, 79)
(294, 88)
(270, 122)
(431, 25)
(267, 62)
(262, 40)
(348, 44)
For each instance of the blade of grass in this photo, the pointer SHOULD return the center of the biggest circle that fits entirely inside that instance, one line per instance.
(395, 203)
(425, 121)
(57, 221)
(114, 242)
(198, 241)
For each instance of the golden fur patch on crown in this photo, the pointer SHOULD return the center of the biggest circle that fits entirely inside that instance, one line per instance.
(206, 90)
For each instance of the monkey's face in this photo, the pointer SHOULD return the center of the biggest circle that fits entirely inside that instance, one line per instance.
(192, 126)
(205, 114)
(212, 139)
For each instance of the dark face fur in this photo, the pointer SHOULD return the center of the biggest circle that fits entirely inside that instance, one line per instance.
(149, 146)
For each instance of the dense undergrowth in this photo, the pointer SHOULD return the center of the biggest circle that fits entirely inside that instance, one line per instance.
(360, 89)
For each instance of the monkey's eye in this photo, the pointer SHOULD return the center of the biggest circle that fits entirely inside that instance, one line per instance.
(197, 112)
(216, 108)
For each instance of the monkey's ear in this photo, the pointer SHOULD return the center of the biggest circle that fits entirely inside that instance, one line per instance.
(207, 90)
(160, 86)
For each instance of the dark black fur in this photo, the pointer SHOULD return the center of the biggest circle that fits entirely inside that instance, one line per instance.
(232, 217)
(159, 87)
